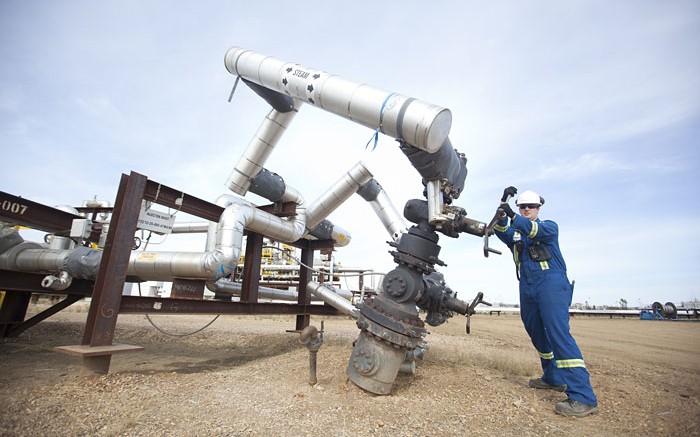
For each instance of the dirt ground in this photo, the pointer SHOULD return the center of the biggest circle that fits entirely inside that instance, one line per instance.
(246, 376)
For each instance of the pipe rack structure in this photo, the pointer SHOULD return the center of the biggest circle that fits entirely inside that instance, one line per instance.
(95, 257)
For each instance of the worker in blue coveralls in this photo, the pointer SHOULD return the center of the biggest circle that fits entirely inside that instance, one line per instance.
(545, 297)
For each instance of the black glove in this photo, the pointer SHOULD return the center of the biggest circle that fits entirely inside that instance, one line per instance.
(510, 191)
(507, 210)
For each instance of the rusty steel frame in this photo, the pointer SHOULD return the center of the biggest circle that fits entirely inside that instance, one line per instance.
(35, 215)
(106, 291)
(111, 276)
(19, 286)
(159, 305)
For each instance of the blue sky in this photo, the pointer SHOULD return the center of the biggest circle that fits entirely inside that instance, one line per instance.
(593, 104)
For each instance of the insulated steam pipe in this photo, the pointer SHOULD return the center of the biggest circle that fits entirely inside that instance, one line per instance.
(329, 295)
(234, 288)
(259, 149)
(338, 193)
(375, 195)
(418, 123)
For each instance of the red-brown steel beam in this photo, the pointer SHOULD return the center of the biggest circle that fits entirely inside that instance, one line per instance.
(106, 297)
(23, 212)
(156, 305)
(251, 268)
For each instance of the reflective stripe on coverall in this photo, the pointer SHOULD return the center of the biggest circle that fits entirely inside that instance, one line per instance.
(545, 297)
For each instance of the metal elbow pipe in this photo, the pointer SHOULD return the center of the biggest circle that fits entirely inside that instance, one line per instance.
(60, 282)
(224, 240)
(229, 238)
(418, 123)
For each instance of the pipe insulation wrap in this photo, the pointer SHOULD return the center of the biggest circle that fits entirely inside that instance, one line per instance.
(338, 193)
(31, 257)
(165, 266)
(259, 149)
(234, 288)
(190, 227)
(445, 164)
(370, 190)
(272, 187)
(418, 123)
(326, 230)
(375, 195)
(267, 184)
(9, 238)
(329, 295)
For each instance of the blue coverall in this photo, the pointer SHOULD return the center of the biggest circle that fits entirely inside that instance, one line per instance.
(545, 297)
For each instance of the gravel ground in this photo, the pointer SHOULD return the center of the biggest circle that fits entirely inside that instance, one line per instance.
(247, 376)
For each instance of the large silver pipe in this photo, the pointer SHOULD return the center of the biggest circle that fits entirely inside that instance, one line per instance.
(226, 244)
(259, 149)
(329, 295)
(420, 124)
(190, 227)
(32, 257)
(340, 236)
(240, 215)
(165, 266)
(281, 229)
(338, 193)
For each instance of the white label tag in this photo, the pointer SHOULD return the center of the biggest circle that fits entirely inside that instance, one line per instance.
(156, 221)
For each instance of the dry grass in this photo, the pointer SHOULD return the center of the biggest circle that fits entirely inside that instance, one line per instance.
(508, 362)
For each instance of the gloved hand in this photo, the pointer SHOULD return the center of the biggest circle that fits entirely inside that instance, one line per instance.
(510, 191)
(507, 210)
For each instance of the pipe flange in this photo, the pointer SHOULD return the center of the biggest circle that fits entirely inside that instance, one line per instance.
(365, 361)
(412, 261)
(378, 308)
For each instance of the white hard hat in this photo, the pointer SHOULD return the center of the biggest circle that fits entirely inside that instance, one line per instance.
(529, 198)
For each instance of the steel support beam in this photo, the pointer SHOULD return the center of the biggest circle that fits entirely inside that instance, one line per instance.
(156, 305)
(305, 276)
(251, 268)
(12, 312)
(106, 297)
(31, 283)
(23, 212)
(14, 331)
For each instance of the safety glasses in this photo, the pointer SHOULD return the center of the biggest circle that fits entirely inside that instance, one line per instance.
(528, 206)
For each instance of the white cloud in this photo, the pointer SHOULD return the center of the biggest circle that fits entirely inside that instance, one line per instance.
(597, 163)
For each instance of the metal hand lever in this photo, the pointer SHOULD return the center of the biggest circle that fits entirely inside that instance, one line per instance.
(470, 310)
(488, 249)
(489, 230)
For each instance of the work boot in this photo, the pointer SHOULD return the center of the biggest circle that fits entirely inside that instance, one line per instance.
(539, 383)
(574, 408)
